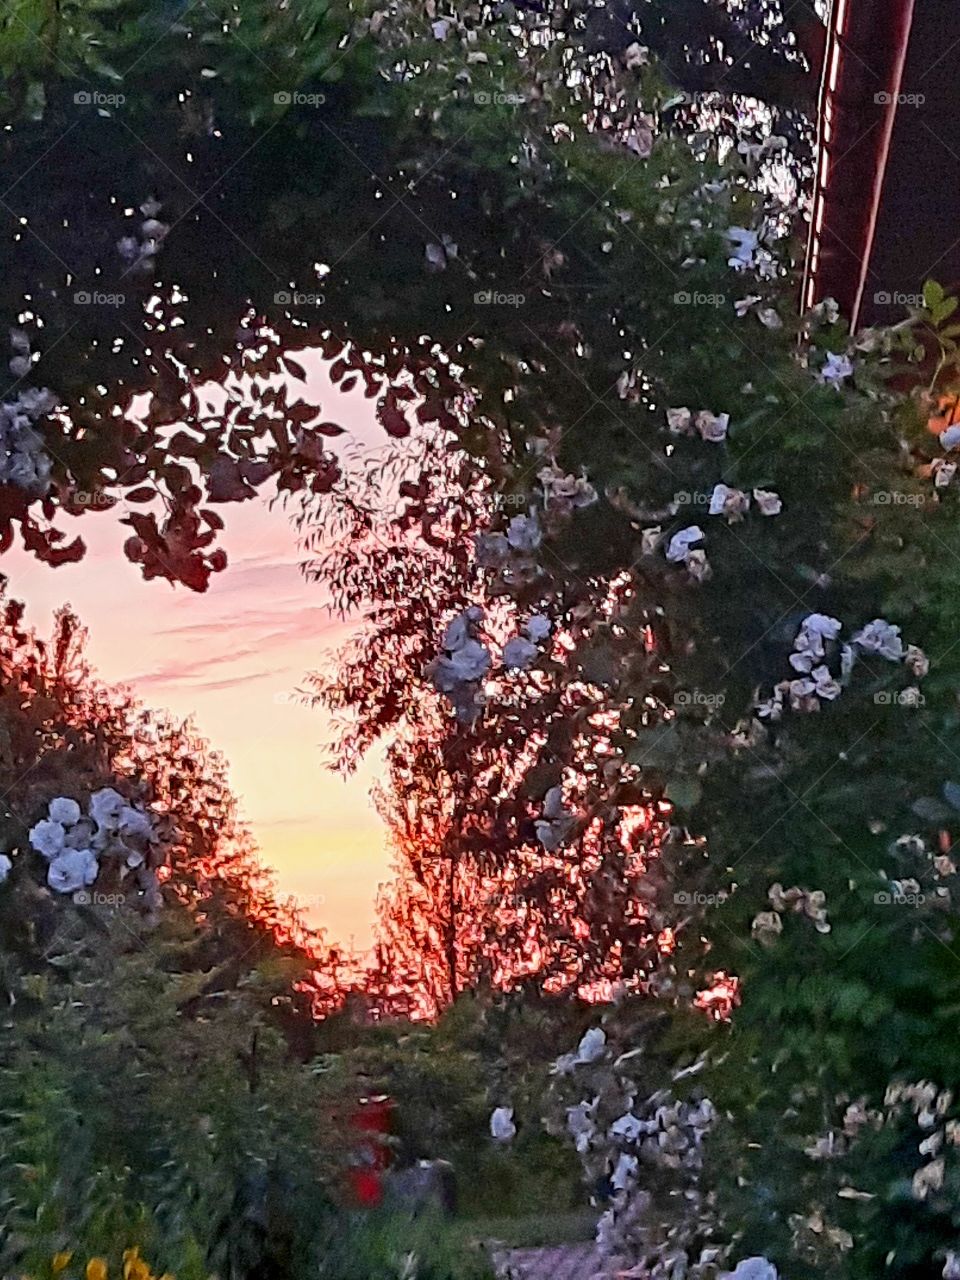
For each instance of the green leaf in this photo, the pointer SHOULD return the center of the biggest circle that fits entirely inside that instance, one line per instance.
(932, 294)
(684, 793)
(656, 747)
(944, 310)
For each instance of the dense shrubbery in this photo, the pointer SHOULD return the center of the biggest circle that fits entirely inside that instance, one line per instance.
(690, 691)
(445, 1079)
(163, 1080)
(150, 1059)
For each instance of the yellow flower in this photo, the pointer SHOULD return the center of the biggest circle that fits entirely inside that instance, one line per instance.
(97, 1269)
(61, 1261)
(134, 1267)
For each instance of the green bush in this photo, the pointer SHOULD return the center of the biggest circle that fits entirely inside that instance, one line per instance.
(396, 1247)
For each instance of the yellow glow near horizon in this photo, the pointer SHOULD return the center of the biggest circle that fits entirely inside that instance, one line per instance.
(232, 658)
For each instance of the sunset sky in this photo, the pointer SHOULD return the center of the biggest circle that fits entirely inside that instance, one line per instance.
(232, 658)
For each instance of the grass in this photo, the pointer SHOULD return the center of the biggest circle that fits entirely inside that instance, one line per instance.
(530, 1231)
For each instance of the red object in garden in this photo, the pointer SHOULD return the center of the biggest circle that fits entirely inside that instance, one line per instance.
(371, 1123)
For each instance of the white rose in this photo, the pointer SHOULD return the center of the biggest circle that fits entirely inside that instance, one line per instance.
(135, 823)
(72, 870)
(106, 805)
(768, 502)
(518, 654)
(713, 426)
(752, 1269)
(502, 1127)
(625, 1172)
(47, 838)
(679, 545)
(64, 811)
(538, 628)
(680, 421)
(591, 1046)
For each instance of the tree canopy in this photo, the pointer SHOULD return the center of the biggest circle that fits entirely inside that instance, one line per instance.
(659, 579)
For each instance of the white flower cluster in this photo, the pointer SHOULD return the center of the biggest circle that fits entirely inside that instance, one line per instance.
(23, 459)
(748, 254)
(836, 1143)
(755, 1268)
(140, 251)
(816, 682)
(767, 927)
(557, 821)
(502, 1126)
(522, 538)
(566, 493)
(735, 503)
(74, 842)
(711, 427)
(458, 671)
(769, 317)
(835, 370)
(754, 152)
(649, 1151)
(924, 877)
(437, 255)
(465, 660)
(681, 550)
(942, 469)
(562, 495)
(520, 652)
(929, 1106)
(826, 312)
(743, 247)
(592, 1047)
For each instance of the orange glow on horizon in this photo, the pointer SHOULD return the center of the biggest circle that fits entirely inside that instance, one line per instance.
(232, 659)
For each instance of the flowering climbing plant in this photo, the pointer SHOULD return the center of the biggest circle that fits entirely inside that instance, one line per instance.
(663, 635)
(748, 595)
